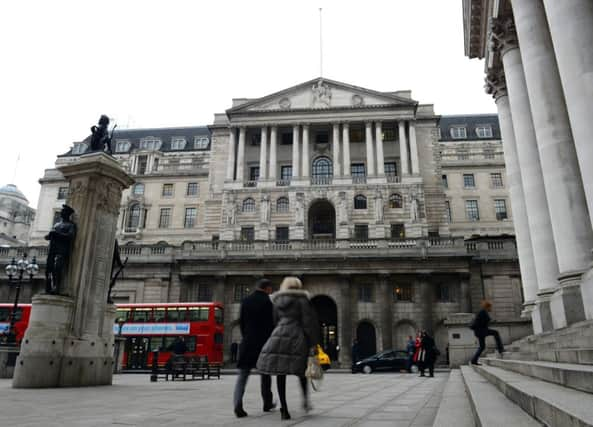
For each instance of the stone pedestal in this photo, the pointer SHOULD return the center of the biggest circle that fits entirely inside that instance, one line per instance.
(69, 341)
(566, 304)
(541, 316)
(462, 342)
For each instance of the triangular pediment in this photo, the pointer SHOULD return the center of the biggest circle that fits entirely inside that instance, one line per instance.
(321, 93)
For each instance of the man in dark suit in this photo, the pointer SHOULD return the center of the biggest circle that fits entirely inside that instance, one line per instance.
(481, 331)
(256, 323)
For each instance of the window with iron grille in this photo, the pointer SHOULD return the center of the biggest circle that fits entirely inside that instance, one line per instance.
(468, 180)
(286, 173)
(322, 167)
(360, 202)
(248, 205)
(62, 193)
(190, 217)
(165, 218)
(167, 190)
(248, 234)
(390, 168)
(192, 189)
(496, 180)
(241, 291)
(253, 173)
(282, 204)
(398, 231)
(500, 208)
(395, 201)
(361, 231)
(204, 293)
(357, 169)
(134, 216)
(365, 293)
(471, 210)
(282, 233)
(403, 292)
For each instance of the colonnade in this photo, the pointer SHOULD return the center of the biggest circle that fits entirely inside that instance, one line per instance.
(542, 80)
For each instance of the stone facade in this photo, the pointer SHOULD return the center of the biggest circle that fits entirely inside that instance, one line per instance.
(16, 216)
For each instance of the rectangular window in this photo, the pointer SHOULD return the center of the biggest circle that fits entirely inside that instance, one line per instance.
(443, 291)
(190, 217)
(389, 133)
(357, 169)
(199, 314)
(253, 173)
(448, 211)
(286, 138)
(458, 132)
(204, 292)
(62, 193)
(365, 293)
(167, 190)
(201, 142)
(286, 173)
(142, 165)
(165, 218)
(444, 181)
(248, 234)
(241, 291)
(361, 231)
(256, 139)
(322, 137)
(403, 292)
(484, 131)
(471, 210)
(500, 208)
(356, 133)
(496, 180)
(282, 233)
(468, 180)
(390, 169)
(398, 231)
(192, 189)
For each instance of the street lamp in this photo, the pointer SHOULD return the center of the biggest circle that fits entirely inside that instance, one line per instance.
(15, 272)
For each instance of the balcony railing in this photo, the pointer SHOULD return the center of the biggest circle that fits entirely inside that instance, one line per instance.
(283, 183)
(393, 179)
(359, 179)
(250, 184)
(321, 180)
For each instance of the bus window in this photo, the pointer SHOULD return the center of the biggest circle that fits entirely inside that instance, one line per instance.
(191, 344)
(218, 315)
(159, 314)
(123, 315)
(198, 314)
(176, 314)
(142, 314)
(5, 314)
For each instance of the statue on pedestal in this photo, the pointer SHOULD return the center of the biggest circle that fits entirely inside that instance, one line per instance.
(414, 208)
(60, 249)
(342, 211)
(300, 210)
(379, 212)
(100, 139)
(265, 209)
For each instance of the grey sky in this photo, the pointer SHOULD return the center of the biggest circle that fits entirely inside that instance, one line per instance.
(167, 63)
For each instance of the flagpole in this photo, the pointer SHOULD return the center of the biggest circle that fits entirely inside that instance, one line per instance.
(320, 44)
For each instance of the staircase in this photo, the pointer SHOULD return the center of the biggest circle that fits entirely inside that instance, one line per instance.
(544, 379)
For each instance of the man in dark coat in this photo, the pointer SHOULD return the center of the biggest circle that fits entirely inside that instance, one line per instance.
(430, 354)
(481, 331)
(355, 354)
(256, 323)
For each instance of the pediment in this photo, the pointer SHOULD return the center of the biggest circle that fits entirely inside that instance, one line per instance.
(319, 94)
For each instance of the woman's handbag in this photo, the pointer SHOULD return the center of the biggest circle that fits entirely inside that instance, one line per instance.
(313, 370)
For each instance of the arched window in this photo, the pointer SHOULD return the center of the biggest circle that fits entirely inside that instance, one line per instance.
(322, 167)
(248, 205)
(395, 201)
(138, 189)
(360, 202)
(282, 204)
(134, 217)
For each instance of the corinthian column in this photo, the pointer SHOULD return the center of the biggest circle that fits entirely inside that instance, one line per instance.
(336, 149)
(230, 167)
(346, 148)
(403, 148)
(263, 153)
(273, 159)
(414, 150)
(369, 145)
(305, 159)
(295, 151)
(241, 154)
(380, 156)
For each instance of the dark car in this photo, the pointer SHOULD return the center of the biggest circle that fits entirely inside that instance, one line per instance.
(388, 360)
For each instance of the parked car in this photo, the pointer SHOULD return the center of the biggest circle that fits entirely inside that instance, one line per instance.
(388, 360)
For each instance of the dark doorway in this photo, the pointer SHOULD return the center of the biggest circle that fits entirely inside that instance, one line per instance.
(327, 314)
(137, 351)
(367, 339)
(322, 220)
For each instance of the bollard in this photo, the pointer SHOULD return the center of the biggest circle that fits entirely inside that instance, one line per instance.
(155, 366)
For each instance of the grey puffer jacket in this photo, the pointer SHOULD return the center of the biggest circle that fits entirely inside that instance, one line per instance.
(296, 331)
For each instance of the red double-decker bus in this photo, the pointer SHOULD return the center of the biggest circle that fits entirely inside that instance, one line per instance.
(150, 327)
(23, 312)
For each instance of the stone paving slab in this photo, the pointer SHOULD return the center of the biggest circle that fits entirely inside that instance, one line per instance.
(344, 400)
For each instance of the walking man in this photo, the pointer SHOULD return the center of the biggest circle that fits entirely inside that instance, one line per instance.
(256, 323)
(481, 331)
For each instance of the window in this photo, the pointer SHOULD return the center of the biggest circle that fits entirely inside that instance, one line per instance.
(204, 292)
(395, 201)
(282, 233)
(496, 180)
(150, 143)
(322, 167)
(356, 133)
(322, 137)
(361, 231)
(122, 146)
(192, 189)
(142, 314)
(178, 143)
(357, 169)
(471, 210)
(254, 173)
(190, 217)
(365, 293)
(286, 138)
(201, 142)
(282, 204)
(444, 181)
(500, 208)
(158, 315)
(165, 218)
(62, 193)
(360, 202)
(199, 314)
(138, 189)
(142, 165)
(398, 231)
(390, 169)
(443, 293)
(219, 319)
(286, 173)
(248, 234)
(79, 148)
(448, 211)
(241, 291)
(484, 131)
(468, 180)
(248, 205)
(134, 217)
(403, 292)
(389, 133)
(256, 139)
(458, 132)
(167, 190)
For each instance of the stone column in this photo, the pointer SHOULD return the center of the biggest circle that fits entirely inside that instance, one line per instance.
(571, 28)
(465, 300)
(295, 151)
(540, 227)
(424, 298)
(230, 167)
(385, 300)
(263, 153)
(241, 155)
(369, 146)
(380, 156)
(345, 341)
(497, 87)
(562, 179)
(346, 149)
(273, 158)
(414, 150)
(336, 149)
(306, 162)
(403, 149)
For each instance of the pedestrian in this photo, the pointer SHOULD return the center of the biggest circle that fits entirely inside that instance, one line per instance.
(234, 350)
(418, 354)
(256, 324)
(410, 350)
(179, 347)
(293, 339)
(430, 354)
(481, 331)
(355, 354)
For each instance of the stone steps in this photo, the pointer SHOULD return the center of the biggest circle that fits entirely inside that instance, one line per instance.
(490, 407)
(551, 404)
(454, 409)
(582, 356)
(578, 377)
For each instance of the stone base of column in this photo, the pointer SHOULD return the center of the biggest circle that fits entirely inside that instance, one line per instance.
(541, 316)
(528, 307)
(587, 292)
(566, 303)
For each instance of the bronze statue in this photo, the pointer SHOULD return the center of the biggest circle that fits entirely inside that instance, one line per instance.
(60, 248)
(100, 139)
(117, 263)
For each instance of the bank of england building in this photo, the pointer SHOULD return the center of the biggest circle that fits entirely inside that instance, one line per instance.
(393, 217)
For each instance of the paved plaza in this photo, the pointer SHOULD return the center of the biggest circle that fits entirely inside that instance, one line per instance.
(345, 400)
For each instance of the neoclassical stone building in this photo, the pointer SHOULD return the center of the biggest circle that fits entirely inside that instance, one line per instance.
(394, 217)
(16, 216)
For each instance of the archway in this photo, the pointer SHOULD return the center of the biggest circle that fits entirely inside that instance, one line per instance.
(327, 314)
(367, 339)
(322, 220)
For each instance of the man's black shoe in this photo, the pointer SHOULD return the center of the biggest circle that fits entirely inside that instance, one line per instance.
(240, 412)
(270, 407)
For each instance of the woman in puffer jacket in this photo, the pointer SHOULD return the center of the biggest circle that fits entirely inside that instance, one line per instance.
(296, 333)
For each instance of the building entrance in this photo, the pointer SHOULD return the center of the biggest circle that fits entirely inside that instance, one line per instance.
(322, 220)
(327, 314)
(367, 339)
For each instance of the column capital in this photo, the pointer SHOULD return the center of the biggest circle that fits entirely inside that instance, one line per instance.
(305, 125)
(495, 83)
(502, 35)
(345, 125)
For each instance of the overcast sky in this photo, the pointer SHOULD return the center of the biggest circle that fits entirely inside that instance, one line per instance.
(170, 63)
